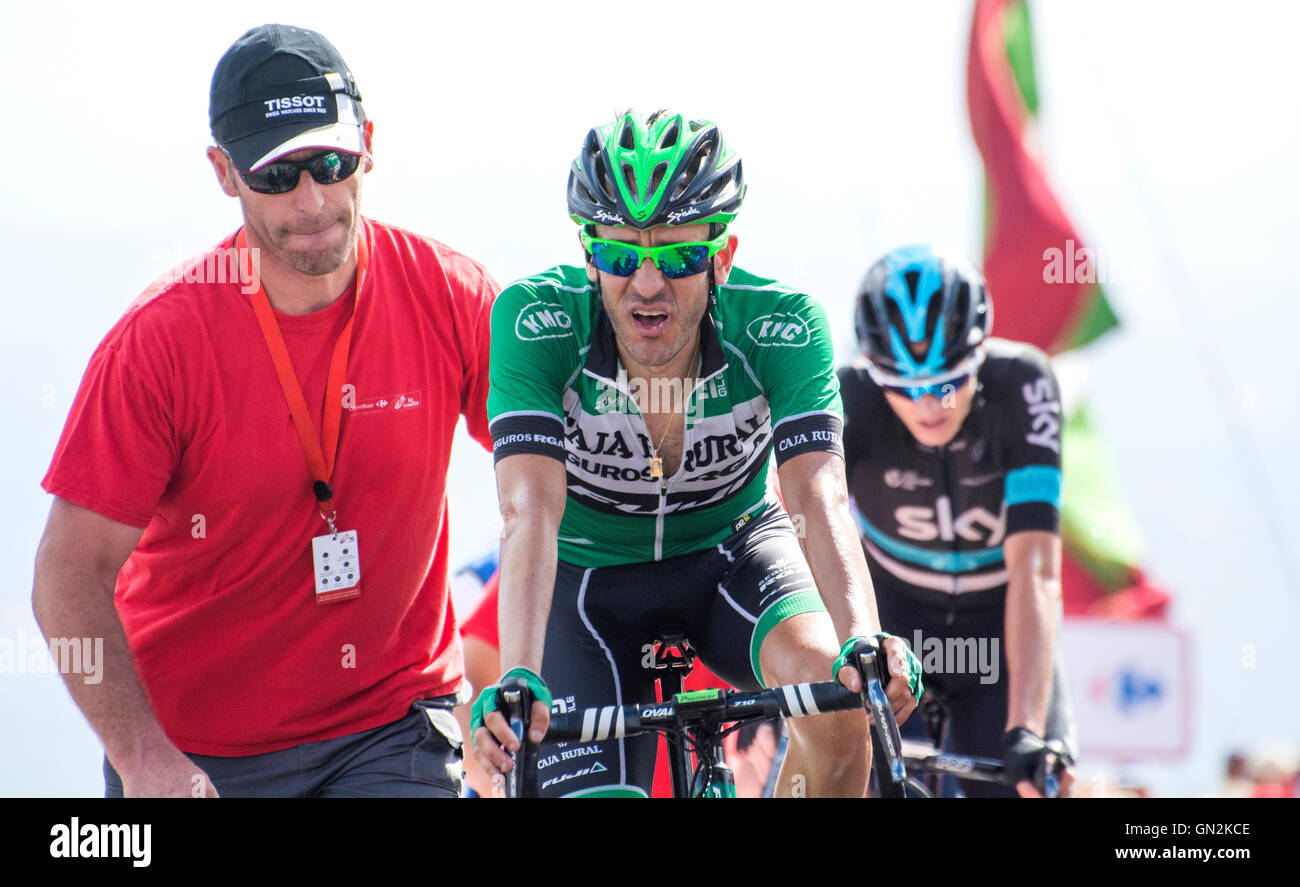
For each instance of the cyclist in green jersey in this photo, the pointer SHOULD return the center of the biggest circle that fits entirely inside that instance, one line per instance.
(635, 403)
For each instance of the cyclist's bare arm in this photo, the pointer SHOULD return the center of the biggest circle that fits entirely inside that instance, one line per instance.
(532, 493)
(816, 496)
(77, 563)
(1033, 559)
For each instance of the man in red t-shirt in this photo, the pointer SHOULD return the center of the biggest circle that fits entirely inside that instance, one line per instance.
(250, 489)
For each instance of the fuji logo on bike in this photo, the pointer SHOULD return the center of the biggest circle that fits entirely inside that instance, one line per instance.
(597, 767)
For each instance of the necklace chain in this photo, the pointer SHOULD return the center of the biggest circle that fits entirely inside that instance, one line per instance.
(656, 461)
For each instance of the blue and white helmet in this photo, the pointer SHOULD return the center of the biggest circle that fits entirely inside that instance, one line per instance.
(922, 313)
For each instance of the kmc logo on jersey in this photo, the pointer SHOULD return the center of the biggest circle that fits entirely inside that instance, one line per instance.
(543, 320)
(779, 329)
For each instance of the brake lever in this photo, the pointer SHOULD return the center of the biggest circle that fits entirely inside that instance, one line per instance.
(888, 745)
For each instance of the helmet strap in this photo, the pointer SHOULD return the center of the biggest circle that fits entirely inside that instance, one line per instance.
(715, 228)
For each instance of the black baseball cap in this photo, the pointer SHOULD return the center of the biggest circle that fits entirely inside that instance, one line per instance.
(281, 89)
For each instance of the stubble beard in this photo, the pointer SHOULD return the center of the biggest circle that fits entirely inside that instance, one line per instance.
(313, 263)
(310, 263)
(652, 355)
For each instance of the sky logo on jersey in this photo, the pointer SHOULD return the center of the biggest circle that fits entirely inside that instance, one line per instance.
(928, 524)
(779, 329)
(543, 320)
(1045, 412)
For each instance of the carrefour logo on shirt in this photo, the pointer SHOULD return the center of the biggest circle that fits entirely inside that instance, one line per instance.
(778, 329)
(543, 320)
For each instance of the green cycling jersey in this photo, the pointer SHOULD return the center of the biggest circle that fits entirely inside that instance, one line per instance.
(766, 384)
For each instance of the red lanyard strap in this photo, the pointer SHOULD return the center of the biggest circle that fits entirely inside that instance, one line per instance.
(321, 452)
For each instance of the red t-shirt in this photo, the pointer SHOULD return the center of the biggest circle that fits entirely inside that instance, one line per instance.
(180, 427)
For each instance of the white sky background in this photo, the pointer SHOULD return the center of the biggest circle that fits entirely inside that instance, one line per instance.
(1170, 131)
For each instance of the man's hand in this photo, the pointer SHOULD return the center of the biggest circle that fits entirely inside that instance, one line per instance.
(904, 688)
(1023, 755)
(493, 740)
(167, 774)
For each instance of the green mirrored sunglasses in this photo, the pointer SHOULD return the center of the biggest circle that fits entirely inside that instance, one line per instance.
(674, 260)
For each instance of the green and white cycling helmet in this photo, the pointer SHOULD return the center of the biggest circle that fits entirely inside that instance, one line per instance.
(661, 170)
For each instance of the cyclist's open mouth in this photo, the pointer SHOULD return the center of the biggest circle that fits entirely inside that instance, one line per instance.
(649, 323)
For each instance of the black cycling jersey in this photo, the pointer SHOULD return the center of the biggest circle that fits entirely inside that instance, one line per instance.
(934, 518)
(933, 522)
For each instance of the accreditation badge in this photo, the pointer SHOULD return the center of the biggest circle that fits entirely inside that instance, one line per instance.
(337, 567)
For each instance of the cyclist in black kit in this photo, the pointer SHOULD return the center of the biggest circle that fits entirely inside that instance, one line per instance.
(953, 450)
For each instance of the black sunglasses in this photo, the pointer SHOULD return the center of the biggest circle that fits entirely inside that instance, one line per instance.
(282, 176)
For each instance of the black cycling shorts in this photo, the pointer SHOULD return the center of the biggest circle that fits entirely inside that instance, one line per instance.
(964, 659)
(603, 622)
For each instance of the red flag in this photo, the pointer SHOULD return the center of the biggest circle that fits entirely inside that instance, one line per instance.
(1041, 277)
(1042, 280)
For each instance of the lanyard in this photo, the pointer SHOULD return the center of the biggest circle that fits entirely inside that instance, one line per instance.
(321, 452)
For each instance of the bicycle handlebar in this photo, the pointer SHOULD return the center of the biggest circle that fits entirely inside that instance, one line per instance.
(616, 722)
(926, 759)
(702, 708)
